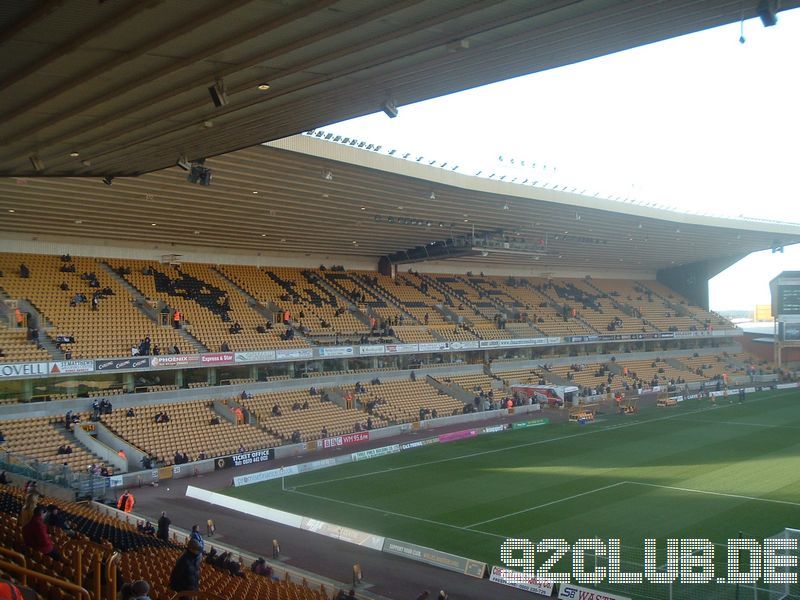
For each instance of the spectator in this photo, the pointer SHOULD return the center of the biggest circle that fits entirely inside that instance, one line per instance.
(125, 502)
(10, 590)
(130, 413)
(260, 567)
(185, 574)
(24, 271)
(195, 535)
(163, 527)
(3, 479)
(29, 506)
(35, 535)
(138, 590)
(147, 528)
(54, 518)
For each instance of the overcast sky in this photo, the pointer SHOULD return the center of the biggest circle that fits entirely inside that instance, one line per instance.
(701, 123)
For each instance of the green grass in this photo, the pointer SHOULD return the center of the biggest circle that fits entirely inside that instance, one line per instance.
(737, 467)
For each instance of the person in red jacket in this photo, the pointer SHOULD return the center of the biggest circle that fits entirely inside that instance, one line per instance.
(125, 502)
(35, 535)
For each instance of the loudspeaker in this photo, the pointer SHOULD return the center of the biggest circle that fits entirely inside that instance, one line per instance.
(217, 93)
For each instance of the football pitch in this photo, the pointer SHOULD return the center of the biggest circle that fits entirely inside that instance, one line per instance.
(695, 470)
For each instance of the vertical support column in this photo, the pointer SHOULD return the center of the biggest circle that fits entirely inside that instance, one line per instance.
(26, 393)
(254, 372)
(179, 378)
(212, 376)
(128, 382)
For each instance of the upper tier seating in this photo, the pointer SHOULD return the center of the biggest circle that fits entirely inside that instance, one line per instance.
(110, 330)
(15, 347)
(423, 308)
(209, 304)
(296, 291)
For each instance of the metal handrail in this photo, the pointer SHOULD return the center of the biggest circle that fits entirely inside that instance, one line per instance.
(24, 573)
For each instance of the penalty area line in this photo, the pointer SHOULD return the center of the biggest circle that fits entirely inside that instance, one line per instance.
(710, 493)
(551, 503)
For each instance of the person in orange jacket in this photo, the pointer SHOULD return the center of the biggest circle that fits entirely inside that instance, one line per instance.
(125, 502)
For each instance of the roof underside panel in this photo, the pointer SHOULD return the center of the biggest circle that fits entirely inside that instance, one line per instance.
(125, 83)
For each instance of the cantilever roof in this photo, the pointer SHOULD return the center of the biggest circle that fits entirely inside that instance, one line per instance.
(304, 195)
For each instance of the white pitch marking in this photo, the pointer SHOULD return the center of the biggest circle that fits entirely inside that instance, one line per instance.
(741, 497)
(519, 512)
(525, 445)
(396, 514)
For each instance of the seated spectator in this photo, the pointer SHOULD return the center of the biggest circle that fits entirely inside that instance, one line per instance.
(296, 406)
(175, 350)
(134, 351)
(156, 350)
(260, 567)
(24, 273)
(276, 411)
(324, 432)
(224, 347)
(147, 528)
(215, 420)
(295, 437)
(130, 412)
(54, 518)
(138, 590)
(305, 405)
(35, 536)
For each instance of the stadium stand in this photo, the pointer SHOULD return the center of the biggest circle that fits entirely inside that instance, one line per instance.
(110, 330)
(189, 430)
(142, 556)
(307, 422)
(15, 346)
(400, 401)
(322, 306)
(40, 438)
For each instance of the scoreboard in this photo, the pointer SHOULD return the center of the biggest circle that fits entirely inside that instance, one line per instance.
(788, 299)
